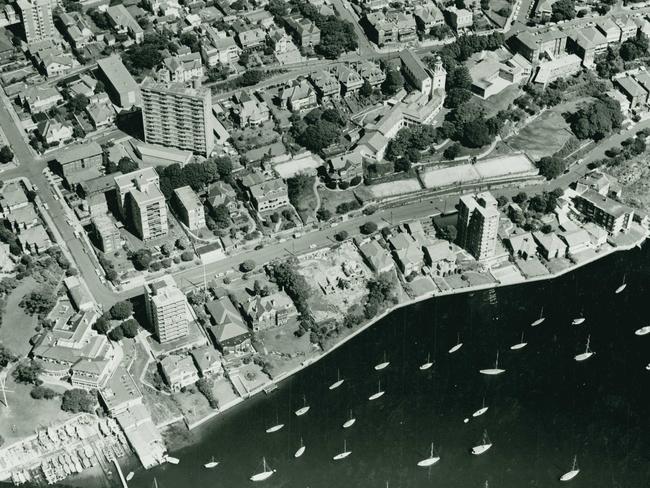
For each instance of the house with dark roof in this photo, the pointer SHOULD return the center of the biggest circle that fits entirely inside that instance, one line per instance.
(270, 311)
(228, 327)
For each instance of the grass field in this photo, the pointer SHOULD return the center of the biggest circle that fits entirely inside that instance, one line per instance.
(18, 327)
(330, 199)
(544, 136)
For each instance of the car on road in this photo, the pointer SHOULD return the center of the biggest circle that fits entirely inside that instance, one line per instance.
(47, 207)
(312, 246)
(77, 234)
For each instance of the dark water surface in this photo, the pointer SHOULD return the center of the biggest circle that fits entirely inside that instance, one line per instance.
(544, 410)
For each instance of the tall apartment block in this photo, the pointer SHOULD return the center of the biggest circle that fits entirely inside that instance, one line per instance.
(37, 19)
(178, 115)
(142, 204)
(478, 225)
(166, 308)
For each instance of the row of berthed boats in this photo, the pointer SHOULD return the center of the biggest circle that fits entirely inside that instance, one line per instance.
(483, 446)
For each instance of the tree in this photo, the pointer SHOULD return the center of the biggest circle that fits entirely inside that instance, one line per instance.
(476, 134)
(369, 227)
(6, 357)
(520, 198)
(102, 325)
(71, 6)
(366, 89)
(448, 233)
(190, 40)
(187, 255)
(551, 167)
(6, 155)
(77, 400)
(251, 77)
(598, 119)
(563, 10)
(78, 103)
(130, 328)
(39, 302)
(141, 258)
(247, 266)
(39, 392)
(221, 216)
(116, 334)
(319, 135)
(459, 78)
(452, 151)
(121, 310)
(341, 235)
(127, 165)
(278, 8)
(224, 167)
(298, 185)
(99, 18)
(393, 83)
(28, 372)
(634, 47)
(456, 97)
(336, 36)
(502, 201)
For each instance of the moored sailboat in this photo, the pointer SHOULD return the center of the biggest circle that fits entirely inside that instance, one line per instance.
(304, 409)
(493, 371)
(484, 446)
(587, 354)
(643, 331)
(276, 427)
(379, 393)
(265, 474)
(384, 364)
(569, 475)
(338, 381)
(427, 364)
(540, 319)
(343, 454)
(430, 461)
(457, 346)
(211, 464)
(481, 410)
(621, 287)
(349, 422)
(301, 449)
(520, 345)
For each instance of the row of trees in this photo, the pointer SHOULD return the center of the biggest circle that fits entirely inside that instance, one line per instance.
(406, 147)
(318, 129)
(196, 175)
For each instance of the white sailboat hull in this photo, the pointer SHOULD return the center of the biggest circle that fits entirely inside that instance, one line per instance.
(480, 412)
(301, 411)
(648, 367)
(299, 452)
(172, 460)
(570, 475)
(492, 371)
(621, 288)
(521, 345)
(642, 331)
(349, 423)
(336, 384)
(538, 321)
(342, 455)
(455, 348)
(478, 450)
(264, 475)
(383, 365)
(578, 321)
(275, 428)
(379, 394)
(210, 465)
(130, 476)
(584, 356)
(428, 461)
(426, 366)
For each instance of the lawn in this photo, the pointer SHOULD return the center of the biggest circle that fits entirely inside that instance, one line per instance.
(500, 101)
(283, 350)
(543, 137)
(330, 199)
(305, 203)
(18, 327)
(26, 414)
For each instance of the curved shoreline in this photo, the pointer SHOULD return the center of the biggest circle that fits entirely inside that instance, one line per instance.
(275, 381)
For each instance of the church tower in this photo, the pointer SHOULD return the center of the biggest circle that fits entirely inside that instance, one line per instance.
(439, 75)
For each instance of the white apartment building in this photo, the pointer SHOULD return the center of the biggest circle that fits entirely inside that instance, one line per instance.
(167, 309)
(37, 19)
(478, 225)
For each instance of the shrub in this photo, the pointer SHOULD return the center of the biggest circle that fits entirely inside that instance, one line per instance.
(205, 387)
(78, 400)
(369, 228)
(187, 255)
(247, 266)
(39, 392)
(341, 236)
(155, 266)
(121, 310)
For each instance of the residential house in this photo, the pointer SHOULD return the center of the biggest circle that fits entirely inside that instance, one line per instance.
(627, 26)
(40, 98)
(252, 39)
(610, 214)
(190, 208)
(298, 96)
(85, 85)
(350, 80)
(459, 18)
(326, 85)
(371, 73)
(600, 182)
(22, 218)
(269, 195)
(207, 360)
(303, 30)
(391, 27)
(377, 257)
(181, 68)
(523, 246)
(270, 311)
(221, 193)
(100, 114)
(440, 257)
(633, 91)
(78, 30)
(597, 234)
(427, 17)
(54, 132)
(407, 252)
(346, 166)
(179, 371)
(123, 22)
(576, 241)
(34, 240)
(550, 245)
(80, 162)
(251, 111)
(13, 197)
(218, 49)
(229, 329)
(54, 65)
(609, 29)
(643, 79)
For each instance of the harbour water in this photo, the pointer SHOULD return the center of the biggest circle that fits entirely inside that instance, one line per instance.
(543, 410)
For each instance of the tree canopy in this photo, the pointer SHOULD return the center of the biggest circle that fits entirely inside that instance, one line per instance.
(597, 119)
(563, 10)
(393, 83)
(77, 400)
(551, 166)
(121, 310)
(6, 155)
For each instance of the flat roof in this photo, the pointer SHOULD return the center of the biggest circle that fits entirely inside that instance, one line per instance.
(117, 74)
